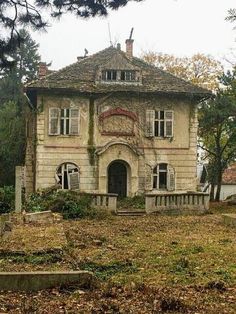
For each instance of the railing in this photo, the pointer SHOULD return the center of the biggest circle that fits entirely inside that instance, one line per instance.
(176, 201)
(107, 201)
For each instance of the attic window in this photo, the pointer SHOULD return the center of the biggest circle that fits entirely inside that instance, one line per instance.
(127, 76)
(119, 76)
(109, 75)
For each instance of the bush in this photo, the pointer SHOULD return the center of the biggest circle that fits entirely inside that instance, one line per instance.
(7, 198)
(70, 204)
(136, 202)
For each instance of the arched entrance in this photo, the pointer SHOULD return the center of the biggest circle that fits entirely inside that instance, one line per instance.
(117, 178)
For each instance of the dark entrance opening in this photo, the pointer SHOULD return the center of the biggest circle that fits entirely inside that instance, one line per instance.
(117, 178)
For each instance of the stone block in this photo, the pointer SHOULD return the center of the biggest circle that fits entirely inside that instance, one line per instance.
(39, 217)
(39, 280)
(229, 219)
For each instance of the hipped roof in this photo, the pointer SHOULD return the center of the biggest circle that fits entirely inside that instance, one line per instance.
(81, 76)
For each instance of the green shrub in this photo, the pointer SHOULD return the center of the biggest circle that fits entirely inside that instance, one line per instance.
(136, 202)
(70, 204)
(7, 198)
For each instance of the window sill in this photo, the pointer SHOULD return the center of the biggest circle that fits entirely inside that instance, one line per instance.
(117, 134)
(135, 83)
(64, 136)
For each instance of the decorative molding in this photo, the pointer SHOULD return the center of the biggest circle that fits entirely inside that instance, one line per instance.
(118, 112)
(102, 150)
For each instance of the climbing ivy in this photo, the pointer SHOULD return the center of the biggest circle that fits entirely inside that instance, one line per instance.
(91, 148)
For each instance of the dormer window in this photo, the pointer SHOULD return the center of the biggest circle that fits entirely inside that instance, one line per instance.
(127, 76)
(109, 75)
(119, 76)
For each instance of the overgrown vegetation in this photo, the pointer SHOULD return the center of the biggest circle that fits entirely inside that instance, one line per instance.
(149, 264)
(70, 204)
(7, 197)
(136, 202)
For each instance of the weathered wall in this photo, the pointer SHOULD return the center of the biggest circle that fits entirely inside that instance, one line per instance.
(180, 151)
(30, 159)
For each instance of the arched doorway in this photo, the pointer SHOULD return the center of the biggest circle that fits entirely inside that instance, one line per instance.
(117, 178)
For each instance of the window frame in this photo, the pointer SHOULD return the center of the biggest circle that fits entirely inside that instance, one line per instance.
(69, 168)
(64, 117)
(156, 176)
(158, 122)
(121, 76)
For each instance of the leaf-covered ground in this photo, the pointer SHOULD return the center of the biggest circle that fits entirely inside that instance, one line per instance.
(150, 264)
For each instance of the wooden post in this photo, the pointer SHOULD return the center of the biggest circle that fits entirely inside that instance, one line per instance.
(18, 189)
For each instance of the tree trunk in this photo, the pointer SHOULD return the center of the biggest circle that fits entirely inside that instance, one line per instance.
(212, 192)
(219, 182)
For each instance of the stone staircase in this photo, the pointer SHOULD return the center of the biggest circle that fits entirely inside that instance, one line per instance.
(130, 212)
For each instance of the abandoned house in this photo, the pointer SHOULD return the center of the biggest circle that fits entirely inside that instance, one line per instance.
(111, 123)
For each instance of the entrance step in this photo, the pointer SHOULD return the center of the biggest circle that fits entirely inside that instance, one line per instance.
(131, 213)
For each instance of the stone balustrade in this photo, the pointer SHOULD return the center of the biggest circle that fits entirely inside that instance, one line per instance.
(106, 201)
(176, 201)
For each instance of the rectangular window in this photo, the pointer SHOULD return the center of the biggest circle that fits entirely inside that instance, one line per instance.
(109, 75)
(163, 123)
(160, 178)
(127, 76)
(63, 121)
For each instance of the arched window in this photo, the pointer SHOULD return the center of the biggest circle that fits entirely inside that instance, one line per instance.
(67, 176)
(163, 177)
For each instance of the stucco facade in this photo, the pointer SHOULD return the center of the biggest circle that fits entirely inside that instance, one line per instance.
(111, 149)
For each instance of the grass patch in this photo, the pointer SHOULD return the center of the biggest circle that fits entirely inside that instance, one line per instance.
(136, 202)
(104, 272)
(46, 258)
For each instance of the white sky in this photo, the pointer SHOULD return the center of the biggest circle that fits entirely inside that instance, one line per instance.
(179, 27)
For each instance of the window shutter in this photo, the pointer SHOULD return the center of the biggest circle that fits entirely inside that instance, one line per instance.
(74, 181)
(150, 116)
(170, 179)
(74, 121)
(54, 115)
(148, 178)
(169, 123)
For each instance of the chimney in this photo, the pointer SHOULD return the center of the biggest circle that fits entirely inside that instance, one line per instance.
(129, 44)
(118, 46)
(42, 69)
(129, 47)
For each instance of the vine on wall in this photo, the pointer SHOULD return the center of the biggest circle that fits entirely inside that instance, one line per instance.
(91, 148)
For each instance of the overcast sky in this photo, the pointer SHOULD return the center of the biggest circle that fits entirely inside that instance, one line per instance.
(179, 27)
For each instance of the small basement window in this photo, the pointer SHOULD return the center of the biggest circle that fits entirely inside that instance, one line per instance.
(67, 176)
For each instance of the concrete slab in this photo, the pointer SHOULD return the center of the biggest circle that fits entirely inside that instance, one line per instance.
(39, 280)
(229, 219)
(45, 217)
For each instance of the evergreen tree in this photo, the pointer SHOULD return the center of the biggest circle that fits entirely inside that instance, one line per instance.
(217, 130)
(28, 13)
(12, 104)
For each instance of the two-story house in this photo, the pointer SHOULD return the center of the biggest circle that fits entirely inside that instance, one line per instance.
(111, 123)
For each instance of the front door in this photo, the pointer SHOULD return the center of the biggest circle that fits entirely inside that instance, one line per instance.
(117, 178)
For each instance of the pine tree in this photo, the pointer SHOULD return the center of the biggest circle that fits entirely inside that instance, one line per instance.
(28, 13)
(12, 104)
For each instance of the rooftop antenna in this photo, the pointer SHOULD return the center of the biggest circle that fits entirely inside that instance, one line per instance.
(131, 33)
(109, 31)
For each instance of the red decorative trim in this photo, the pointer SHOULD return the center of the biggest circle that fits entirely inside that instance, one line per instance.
(118, 112)
(117, 133)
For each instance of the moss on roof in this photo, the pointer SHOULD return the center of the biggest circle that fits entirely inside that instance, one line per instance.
(81, 77)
